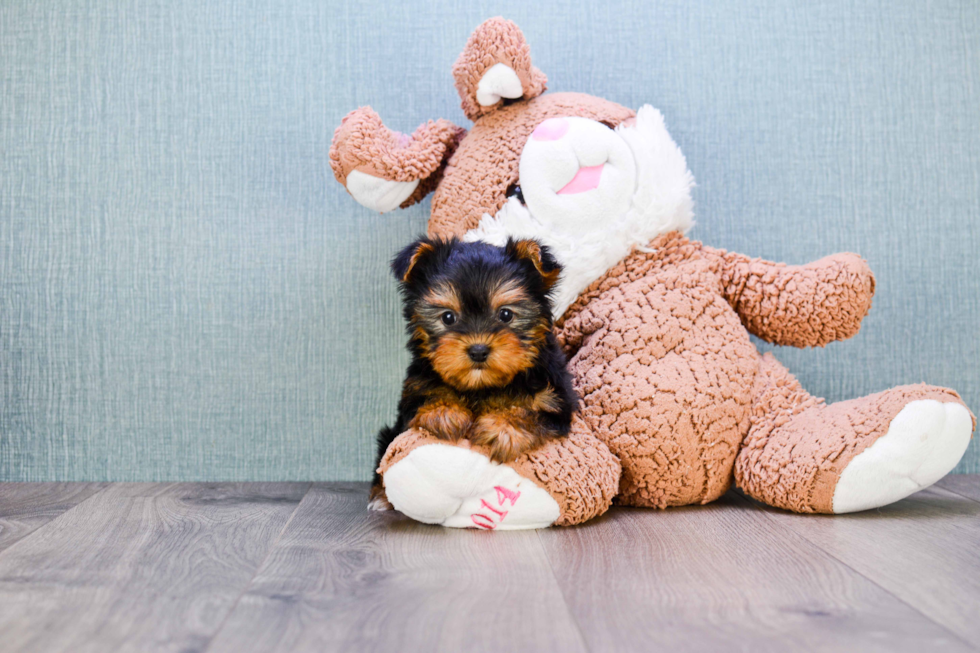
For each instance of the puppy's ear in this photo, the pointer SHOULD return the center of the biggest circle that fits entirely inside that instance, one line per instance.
(412, 259)
(539, 256)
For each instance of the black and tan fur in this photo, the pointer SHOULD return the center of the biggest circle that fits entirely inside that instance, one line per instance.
(464, 302)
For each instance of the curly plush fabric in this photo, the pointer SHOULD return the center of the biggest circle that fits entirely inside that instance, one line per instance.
(363, 143)
(579, 472)
(808, 305)
(486, 162)
(496, 41)
(798, 446)
(665, 371)
(670, 381)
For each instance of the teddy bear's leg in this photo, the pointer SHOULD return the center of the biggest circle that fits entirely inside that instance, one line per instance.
(563, 482)
(804, 455)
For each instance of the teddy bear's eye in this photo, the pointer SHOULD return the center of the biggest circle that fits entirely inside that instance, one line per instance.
(448, 318)
(514, 190)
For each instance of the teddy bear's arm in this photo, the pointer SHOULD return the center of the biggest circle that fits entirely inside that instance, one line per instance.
(384, 169)
(572, 331)
(797, 305)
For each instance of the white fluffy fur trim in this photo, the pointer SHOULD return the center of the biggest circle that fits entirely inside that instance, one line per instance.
(661, 203)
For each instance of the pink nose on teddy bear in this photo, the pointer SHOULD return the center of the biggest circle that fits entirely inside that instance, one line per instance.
(550, 130)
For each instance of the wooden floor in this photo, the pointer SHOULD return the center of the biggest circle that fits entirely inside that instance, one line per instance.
(298, 567)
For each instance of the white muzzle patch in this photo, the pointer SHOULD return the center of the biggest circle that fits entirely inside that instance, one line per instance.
(576, 174)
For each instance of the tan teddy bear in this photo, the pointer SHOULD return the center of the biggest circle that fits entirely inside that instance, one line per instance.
(656, 326)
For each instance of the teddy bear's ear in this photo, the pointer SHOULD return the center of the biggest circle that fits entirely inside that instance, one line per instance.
(494, 66)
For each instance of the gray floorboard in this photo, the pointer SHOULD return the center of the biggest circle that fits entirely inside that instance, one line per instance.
(140, 567)
(25, 507)
(966, 485)
(345, 579)
(925, 550)
(293, 567)
(724, 577)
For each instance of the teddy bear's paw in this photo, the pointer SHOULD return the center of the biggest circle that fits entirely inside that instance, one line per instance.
(384, 169)
(924, 442)
(377, 194)
(461, 488)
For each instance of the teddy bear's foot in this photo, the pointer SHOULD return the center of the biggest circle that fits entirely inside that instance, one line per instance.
(923, 443)
(458, 487)
(562, 482)
(807, 456)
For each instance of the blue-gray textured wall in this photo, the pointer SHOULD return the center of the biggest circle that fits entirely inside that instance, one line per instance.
(187, 293)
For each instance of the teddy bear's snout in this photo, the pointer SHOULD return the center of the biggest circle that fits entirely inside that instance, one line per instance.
(575, 171)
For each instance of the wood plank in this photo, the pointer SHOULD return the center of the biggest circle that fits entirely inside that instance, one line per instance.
(965, 485)
(25, 507)
(723, 577)
(345, 579)
(140, 567)
(923, 549)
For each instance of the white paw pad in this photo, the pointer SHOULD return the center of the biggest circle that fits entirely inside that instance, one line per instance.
(460, 488)
(923, 443)
(377, 194)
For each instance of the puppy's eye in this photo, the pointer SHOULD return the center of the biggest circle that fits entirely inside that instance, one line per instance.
(505, 315)
(448, 318)
(514, 190)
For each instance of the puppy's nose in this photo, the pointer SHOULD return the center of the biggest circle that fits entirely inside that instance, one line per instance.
(478, 353)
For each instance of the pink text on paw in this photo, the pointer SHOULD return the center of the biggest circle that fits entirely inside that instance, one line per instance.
(495, 517)
(504, 494)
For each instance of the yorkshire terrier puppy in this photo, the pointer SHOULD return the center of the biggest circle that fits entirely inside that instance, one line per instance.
(485, 363)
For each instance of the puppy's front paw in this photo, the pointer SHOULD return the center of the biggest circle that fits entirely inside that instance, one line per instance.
(505, 439)
(443, 420)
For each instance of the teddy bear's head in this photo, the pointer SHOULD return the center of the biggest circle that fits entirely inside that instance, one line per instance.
(584, 175)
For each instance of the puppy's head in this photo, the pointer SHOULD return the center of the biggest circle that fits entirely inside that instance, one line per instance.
(478, 313)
